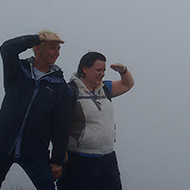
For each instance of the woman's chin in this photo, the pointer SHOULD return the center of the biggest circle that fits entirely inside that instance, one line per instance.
(98, 83)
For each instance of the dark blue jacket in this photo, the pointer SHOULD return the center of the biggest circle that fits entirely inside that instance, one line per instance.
(33, 112)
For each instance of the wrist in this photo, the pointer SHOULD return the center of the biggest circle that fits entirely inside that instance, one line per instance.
(124, 71)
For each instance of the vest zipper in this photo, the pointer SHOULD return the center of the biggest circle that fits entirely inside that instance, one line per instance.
(81, 137)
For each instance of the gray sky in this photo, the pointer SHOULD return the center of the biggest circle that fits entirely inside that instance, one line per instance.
(151, 37)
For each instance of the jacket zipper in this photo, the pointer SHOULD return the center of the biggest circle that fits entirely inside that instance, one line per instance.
(17, 142)
(19, 137)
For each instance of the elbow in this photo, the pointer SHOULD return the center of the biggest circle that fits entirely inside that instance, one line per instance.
(4, 47)
(129, 82)
(132, 84)
(129, 86)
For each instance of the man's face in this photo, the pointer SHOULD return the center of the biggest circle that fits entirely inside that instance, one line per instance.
(49, 52)
(95, 73)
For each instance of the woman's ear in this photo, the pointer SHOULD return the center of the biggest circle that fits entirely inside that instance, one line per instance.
(84, 70)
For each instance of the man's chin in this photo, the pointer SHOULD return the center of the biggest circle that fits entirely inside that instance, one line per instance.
(52, 62)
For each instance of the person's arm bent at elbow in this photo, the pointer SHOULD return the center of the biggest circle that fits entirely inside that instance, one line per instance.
(125, 84)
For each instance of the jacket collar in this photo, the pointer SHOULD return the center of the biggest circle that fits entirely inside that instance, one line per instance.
(54, 76)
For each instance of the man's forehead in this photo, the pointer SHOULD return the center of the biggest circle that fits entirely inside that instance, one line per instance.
(53, 44)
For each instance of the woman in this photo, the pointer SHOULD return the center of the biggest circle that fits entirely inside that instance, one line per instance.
(92, 161)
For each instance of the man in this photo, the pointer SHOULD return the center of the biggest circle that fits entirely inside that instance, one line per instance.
(35, 109)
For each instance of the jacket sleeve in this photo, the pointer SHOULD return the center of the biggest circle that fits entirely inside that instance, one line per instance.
(10, 51)
(61, 122)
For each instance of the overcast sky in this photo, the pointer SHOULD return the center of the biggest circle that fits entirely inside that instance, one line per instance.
(152, 38)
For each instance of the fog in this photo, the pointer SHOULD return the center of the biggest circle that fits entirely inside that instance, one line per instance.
(151, 37)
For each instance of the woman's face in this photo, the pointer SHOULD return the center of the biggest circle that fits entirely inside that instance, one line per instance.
(94, 74)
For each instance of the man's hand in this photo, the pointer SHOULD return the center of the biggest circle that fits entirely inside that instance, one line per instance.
(56, 171)
(119, 68)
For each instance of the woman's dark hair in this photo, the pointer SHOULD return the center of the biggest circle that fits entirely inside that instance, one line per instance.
(88, 61)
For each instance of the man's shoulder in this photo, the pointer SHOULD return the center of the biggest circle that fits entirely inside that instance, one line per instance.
(54, 67)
